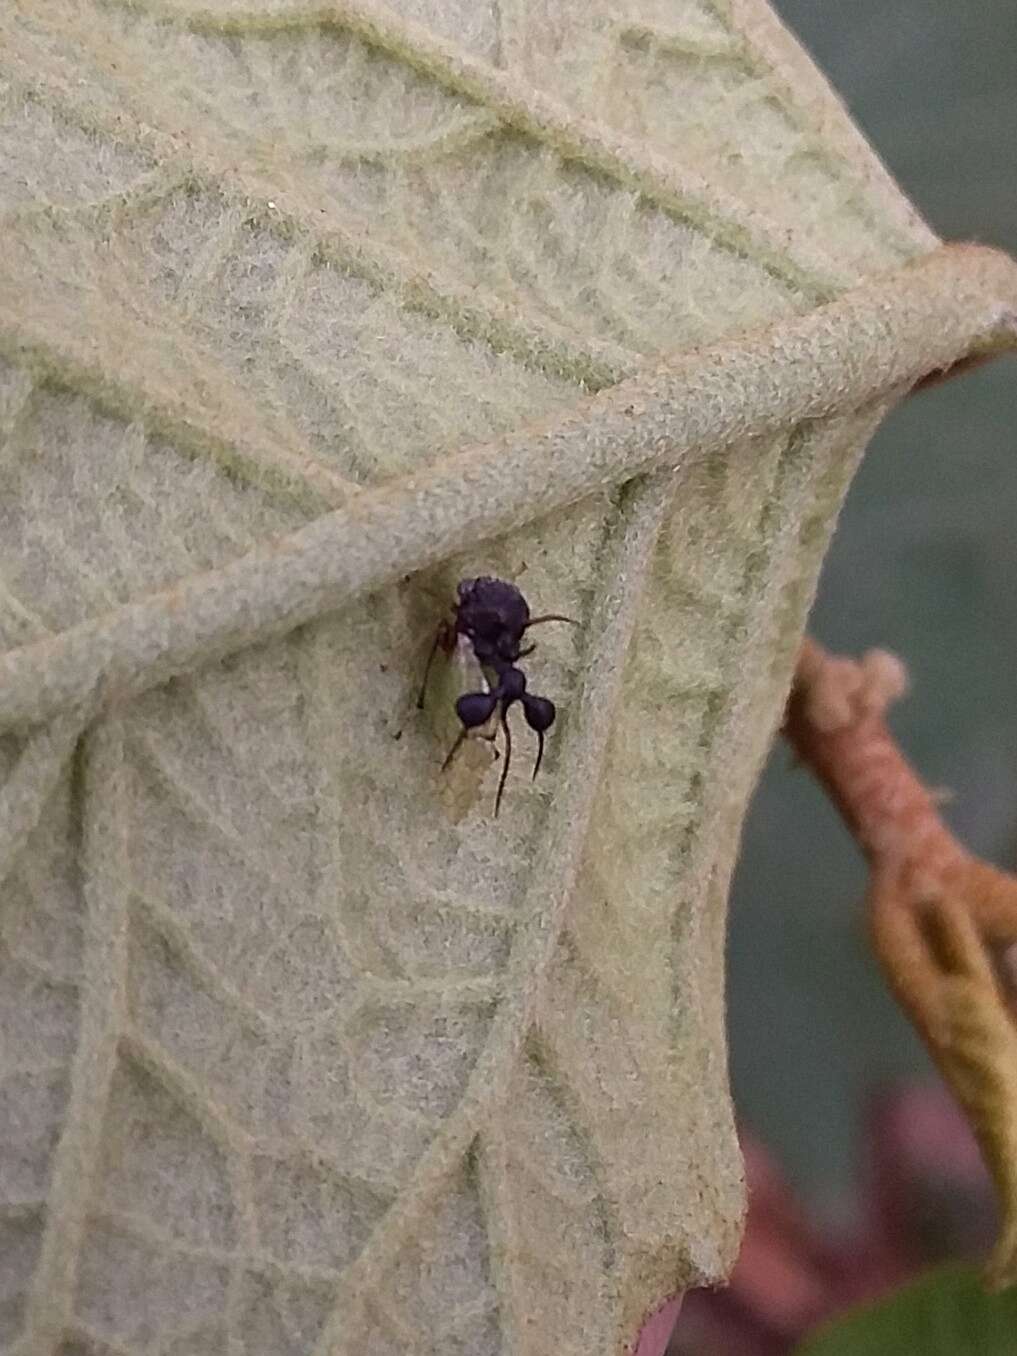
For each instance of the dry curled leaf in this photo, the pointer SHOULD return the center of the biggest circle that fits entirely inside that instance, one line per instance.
(941, 920)
(297, 298)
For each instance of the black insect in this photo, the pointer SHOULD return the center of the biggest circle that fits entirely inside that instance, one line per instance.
(492, 616)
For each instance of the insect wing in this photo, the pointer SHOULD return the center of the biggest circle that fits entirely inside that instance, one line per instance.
(463, 776)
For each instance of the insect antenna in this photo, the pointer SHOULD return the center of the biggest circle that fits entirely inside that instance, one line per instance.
(508, 760)
(540, 754)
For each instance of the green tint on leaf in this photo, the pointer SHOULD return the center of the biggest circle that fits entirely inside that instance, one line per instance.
(947, 1313)
(298, 300)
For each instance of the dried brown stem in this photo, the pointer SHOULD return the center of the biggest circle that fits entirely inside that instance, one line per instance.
(943, 924)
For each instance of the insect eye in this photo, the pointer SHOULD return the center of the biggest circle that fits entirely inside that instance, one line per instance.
(539, 712)
(476, 708)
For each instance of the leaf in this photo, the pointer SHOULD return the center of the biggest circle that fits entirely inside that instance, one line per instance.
(297, 300)
(946, 1313)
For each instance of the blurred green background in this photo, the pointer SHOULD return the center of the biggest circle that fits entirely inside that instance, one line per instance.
(924, 563)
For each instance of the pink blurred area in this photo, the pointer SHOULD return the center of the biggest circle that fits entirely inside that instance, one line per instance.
(658, 1329)
(925, 1199)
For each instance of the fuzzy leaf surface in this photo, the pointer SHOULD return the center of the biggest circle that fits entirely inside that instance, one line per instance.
(292, 1060)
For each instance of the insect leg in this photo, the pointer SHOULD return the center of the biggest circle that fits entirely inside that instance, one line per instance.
(441, 638)
(508, 760)
(540, 714)
(454, 749)
(540, 753)
(549, 616)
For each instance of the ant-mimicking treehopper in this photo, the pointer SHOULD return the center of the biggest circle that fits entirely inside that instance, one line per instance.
(491, 617)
